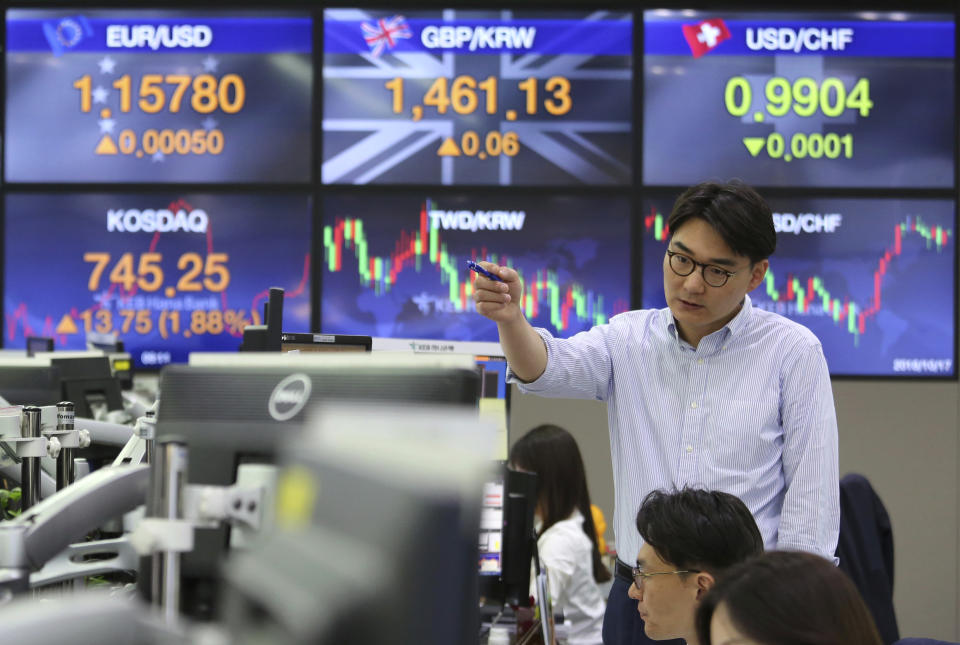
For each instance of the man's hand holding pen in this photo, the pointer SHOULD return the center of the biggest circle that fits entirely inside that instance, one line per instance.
(498, 301)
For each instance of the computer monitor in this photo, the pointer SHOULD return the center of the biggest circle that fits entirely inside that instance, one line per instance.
(237, 408)
(375, 540)
(121, 362)
(493, 377)
(507, 536)
(490, 546)
(291, 342)
(495, 398)
(85, 378)
(491, 366)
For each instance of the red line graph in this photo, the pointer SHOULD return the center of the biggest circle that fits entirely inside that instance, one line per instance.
(298, 290)
(809, 289)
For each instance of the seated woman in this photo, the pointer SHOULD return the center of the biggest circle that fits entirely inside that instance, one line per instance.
(566, 538)
(785, 598)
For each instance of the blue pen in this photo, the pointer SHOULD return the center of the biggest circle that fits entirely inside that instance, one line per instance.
(479, 269)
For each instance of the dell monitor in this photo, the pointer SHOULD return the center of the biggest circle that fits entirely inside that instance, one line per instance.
(231, 409)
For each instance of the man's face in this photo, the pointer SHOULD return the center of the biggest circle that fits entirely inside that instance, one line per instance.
(699, 308)
(666, 603)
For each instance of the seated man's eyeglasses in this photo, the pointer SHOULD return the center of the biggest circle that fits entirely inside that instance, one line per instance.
(640, 576)
(684, 265)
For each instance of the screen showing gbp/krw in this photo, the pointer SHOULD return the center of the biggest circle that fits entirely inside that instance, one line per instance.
(458, 97)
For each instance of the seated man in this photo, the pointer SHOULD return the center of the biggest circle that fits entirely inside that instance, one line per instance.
(690, 538)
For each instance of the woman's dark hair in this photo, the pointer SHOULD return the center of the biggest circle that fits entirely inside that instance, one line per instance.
(738, 214)
(790, 598)
(552, 453)
(699, 529)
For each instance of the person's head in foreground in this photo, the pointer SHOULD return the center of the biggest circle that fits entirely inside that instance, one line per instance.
(721, 235)
(691, 537)
(785, 598)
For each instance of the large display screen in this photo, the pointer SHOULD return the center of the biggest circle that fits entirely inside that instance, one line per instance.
(166, 273)
(395, 264)
(847, 100)
(158, 96)
(874, 279)
(459, 97)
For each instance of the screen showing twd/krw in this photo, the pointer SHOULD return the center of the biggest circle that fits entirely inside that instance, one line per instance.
(395, 265)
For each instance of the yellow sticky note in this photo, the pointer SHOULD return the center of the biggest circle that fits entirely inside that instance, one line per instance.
(297, 491)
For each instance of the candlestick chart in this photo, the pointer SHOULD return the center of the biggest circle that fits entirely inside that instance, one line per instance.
(874, 279)
(395, 265)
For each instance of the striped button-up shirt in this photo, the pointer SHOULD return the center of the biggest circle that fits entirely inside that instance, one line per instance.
(749, 412)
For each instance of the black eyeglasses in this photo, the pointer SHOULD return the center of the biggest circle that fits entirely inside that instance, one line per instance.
(640, 576)
(684, 265)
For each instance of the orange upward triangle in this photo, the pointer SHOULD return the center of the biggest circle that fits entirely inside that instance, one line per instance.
(106, 146)
(448, 149)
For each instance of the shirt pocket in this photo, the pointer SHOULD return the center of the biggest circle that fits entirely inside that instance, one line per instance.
(743, 433)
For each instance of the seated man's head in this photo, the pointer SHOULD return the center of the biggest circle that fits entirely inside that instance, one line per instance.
(690, 538)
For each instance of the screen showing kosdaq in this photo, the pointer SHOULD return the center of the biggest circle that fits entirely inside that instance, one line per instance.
(158, 96)
(459, 97)
(874, 279)
(166, 273)
(395, 264)
(844, 99)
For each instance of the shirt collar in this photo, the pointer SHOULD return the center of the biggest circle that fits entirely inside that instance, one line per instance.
(666, 316)
(739, 322)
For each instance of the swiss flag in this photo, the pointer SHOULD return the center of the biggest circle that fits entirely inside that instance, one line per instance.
(704, 36)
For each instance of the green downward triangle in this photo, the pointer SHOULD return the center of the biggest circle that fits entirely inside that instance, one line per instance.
(754, 144)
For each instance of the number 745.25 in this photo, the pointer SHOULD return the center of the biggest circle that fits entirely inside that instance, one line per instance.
(147, 273)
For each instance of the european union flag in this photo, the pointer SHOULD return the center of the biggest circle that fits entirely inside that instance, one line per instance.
(66, 33)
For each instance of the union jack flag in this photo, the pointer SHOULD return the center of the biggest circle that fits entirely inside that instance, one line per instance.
(384, 33)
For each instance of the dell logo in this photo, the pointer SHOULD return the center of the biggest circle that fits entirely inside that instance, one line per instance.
(289, 397)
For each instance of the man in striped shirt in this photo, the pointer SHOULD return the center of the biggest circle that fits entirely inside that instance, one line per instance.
(708, 392)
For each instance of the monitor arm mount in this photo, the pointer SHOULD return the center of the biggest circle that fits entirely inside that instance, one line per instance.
(44, 530)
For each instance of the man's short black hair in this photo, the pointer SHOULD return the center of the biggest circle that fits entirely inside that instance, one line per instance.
(699, 529)
(738, 214)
